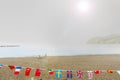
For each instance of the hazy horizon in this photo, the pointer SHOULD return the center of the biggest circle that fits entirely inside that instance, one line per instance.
(57, 24)
(83, 50)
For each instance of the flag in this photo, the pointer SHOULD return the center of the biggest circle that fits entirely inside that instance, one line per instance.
(17, 70)
(58, 73)
(69, 73)
(12, 67)
(1, 65)
(50, 71)
(110, 71)
(118, 71)
(38, 72)
(97, 71)
(90, 74)
(27, 72)
(79, 74)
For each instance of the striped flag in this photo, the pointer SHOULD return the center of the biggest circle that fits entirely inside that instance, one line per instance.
(90, 74)
(58, 73)
(79, 74)
(27, 72)
(1, 65)
(69, 73)
(17, 70)
(38, 72)
(50, 71)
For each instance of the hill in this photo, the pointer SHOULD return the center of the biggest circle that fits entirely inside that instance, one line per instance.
(112, 39)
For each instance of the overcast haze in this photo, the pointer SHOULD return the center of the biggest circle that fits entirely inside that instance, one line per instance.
(57, 23)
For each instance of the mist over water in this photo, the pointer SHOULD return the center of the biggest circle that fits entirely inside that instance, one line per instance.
(82, 50)
(89, 50)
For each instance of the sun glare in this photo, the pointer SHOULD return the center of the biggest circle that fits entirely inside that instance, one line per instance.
(84, 7)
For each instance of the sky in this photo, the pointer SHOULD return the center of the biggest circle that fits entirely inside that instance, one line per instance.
(57, 23)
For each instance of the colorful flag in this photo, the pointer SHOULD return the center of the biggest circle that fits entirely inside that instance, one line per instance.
(58, 73)
(27, 72)
(1, 65)
(97, 71)
(17, 70)
(110, 71)
(38, 72)
(90, 74)
(79, 74)
(118, 71)
(12, 67)
(69, 73)
(50, 71)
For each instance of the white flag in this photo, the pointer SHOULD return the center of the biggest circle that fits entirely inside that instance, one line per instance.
(90, 74)
(118, 72)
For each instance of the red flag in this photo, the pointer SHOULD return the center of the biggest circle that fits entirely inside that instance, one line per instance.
(12, 67)
(38, 72)
(97, 71)
(27, 72)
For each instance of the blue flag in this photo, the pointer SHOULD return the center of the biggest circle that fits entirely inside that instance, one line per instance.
(58, 73)
(1, 65)
(69, 73)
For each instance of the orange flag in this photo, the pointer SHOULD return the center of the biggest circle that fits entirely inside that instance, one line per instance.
(110, 71)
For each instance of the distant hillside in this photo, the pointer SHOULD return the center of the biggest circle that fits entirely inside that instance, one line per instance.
(112, 39)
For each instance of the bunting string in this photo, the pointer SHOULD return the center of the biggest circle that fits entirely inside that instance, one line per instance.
(58, 72)
(57, 69)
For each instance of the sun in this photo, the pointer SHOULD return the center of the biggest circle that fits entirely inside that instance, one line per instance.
(84, 6)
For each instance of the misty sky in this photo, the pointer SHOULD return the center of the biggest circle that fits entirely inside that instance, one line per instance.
(57, 23)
